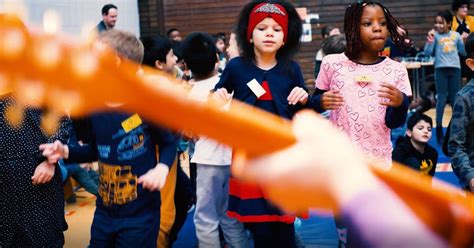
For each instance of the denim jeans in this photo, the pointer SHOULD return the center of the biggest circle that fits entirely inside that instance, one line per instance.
(448, 83)
(89, 179)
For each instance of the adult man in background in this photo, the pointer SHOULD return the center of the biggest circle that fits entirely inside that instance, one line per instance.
(109, 17)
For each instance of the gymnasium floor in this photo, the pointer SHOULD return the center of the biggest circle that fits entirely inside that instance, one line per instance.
(318, 231)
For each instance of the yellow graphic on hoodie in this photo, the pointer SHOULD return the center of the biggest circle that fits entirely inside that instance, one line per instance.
(117, 184)
(426, 166)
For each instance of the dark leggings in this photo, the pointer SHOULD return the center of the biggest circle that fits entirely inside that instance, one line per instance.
(272, 234)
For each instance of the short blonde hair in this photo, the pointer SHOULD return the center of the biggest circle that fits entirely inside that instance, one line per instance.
(124, 43)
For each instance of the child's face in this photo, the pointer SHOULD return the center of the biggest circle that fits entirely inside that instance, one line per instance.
(334, 31)
(233, 49)
(462, 11)
(421, 132)
(220, 45)
(168, 67)
(440, 25)
(267, 36)
(373, 28)
(175, 35)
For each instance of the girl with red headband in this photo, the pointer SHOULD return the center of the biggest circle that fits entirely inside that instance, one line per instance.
(268, 34)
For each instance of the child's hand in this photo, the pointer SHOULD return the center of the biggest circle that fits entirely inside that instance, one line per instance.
(221, 96)
(44, 172)
(297, 95)
(464, 36)
(394, 96)
(332, 100)
(54, 151)
(155, 178)
(431, 36)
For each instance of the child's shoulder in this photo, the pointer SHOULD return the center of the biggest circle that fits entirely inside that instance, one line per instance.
(237, 61)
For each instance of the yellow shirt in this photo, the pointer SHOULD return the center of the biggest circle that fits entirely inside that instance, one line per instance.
(469, 22)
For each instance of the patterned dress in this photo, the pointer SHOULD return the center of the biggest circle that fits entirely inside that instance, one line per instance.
(362, 117)
(31, 215)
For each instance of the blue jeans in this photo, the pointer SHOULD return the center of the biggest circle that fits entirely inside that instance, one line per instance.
(448, 83)
(89, 179)
(64, 174)
(116, 232)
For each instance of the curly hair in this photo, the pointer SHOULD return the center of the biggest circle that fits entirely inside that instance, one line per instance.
(295, 30)
(352, 23)
(458, 3)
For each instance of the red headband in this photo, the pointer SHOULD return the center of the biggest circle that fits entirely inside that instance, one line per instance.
(264, 10)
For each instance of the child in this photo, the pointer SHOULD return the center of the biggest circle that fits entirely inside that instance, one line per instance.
(326, 31)
(367, 93)
(463, 24)
(159, 54)
(212, 159)
(128, 206)
(174, 34)
(266, 77)
(444, 45)
(414, 150)
(219, 40)
(233, 49)
(334, 44)
(460, 144)
(174, 200)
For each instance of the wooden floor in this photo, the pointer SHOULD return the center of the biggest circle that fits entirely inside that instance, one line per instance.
(79, 217)
(446, 117)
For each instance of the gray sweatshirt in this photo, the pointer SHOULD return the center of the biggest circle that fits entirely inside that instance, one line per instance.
(445, 49)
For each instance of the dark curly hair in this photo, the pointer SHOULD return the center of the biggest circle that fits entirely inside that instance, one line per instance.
(457, 3)
(292, 44)
(352, 22)
(446, 15)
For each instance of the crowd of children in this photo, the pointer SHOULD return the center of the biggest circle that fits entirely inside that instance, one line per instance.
(143, 195)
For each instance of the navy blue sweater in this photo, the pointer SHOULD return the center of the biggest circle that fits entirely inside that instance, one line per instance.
(123, 157)
(281, 80)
